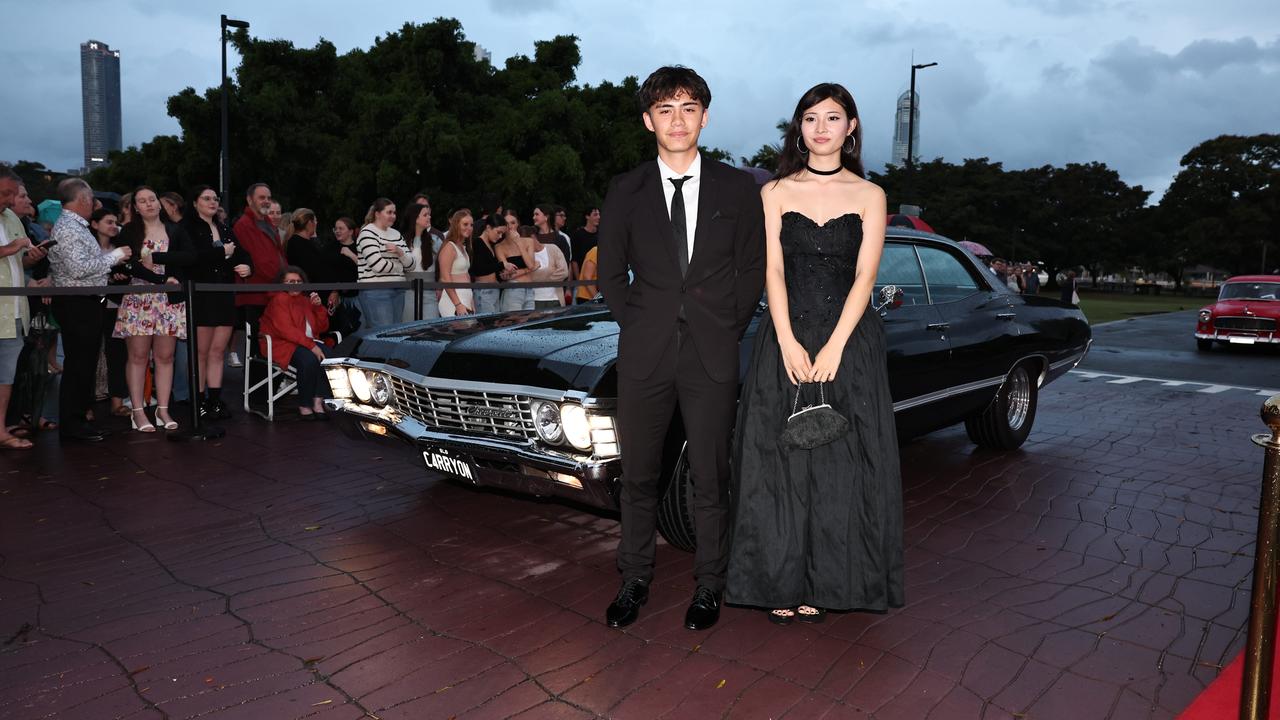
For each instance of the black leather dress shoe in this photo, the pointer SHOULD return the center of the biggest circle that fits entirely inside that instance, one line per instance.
(625, 608)
(704, 611)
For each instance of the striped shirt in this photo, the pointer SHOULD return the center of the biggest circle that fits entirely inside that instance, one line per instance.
(377, 264)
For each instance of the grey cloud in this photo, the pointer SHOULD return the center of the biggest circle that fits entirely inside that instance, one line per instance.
(522, 7)
(1208, 56)
(1064, 7)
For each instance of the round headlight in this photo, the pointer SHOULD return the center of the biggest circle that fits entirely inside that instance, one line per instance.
(573, 418)
(360, 384)
(546, 418)
(381, 390)
(1205, 315)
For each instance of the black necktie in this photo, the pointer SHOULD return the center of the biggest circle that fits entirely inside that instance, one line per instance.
(678, 228)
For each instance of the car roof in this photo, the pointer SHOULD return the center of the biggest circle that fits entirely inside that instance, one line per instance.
(1254, 278)
(913, 234)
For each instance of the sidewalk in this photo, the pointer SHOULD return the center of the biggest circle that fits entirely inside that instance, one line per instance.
(285, 572)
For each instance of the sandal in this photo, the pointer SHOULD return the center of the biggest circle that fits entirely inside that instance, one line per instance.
(48, 425)
(809, 614)
(782, 616)
(169, 424)
(13, 442)
(146, 425)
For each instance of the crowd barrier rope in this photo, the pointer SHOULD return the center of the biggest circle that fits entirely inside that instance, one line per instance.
(200, 430)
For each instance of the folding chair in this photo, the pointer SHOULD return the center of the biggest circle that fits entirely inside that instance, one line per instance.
(278, 382)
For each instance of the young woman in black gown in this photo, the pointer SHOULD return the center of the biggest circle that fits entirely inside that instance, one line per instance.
(819, 529)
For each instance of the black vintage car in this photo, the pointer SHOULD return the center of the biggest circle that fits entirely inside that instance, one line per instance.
(525, 401)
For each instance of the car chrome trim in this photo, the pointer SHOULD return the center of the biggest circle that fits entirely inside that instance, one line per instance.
(1238, 334)
(413, 430)
(946, 393)
(436, 383)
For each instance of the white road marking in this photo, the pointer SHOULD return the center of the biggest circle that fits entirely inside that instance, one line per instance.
(1201, 387)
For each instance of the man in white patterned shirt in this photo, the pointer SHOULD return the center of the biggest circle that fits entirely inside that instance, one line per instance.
(76, 260)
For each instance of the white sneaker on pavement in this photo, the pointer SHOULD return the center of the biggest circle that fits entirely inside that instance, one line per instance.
(233, 360)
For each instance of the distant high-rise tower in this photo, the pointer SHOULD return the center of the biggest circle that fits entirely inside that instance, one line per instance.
(901, 128)
(100, 101)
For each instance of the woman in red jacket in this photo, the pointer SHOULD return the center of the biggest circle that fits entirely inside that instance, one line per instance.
(295, 321)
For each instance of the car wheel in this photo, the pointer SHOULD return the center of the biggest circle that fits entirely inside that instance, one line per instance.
(1006, 422)
(675, 508)
(1205, 345)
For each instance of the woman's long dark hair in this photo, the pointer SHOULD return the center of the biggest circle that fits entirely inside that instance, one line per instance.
(133, 233)
(409, 223)
(792, 161)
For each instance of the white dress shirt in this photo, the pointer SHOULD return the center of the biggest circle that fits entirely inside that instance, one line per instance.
(690, 191)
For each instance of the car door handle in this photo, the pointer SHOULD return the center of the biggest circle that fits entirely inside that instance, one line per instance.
(1007, 316)
(938, 326)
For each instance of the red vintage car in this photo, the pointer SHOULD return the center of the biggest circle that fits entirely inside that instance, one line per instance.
(1246, 312)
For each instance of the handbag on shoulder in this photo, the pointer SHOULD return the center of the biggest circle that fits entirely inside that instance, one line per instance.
(814, 425)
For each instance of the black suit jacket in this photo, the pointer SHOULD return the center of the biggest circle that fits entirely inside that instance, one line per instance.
(721, 290)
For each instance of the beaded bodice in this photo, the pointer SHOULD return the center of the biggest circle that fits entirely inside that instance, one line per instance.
(819, 264)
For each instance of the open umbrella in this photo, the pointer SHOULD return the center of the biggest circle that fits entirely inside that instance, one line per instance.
(48, 211)
(976, 248)
(909, 221)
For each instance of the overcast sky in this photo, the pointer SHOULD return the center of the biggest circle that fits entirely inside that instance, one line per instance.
(1026, 82)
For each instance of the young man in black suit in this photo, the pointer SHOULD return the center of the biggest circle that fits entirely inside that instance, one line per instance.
(691, 232)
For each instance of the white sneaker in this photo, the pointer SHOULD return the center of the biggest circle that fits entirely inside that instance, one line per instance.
(233, 360)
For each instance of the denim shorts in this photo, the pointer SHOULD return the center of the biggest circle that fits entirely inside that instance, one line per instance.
(9, 351)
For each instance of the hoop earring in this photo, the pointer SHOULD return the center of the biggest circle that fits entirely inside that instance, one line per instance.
(847, 147)
(800, 146)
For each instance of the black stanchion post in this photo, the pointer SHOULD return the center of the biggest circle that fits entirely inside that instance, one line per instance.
(196, 430)
(416, 289)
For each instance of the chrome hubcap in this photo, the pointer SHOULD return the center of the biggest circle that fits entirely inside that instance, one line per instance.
(1019, 397)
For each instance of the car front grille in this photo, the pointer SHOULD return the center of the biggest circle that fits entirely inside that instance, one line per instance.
(1245, 323)
(502, 415)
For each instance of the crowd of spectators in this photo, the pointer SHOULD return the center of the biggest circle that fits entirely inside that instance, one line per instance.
(63, 354)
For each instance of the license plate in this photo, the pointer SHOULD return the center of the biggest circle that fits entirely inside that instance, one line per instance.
(1235, 340)
(442, 461)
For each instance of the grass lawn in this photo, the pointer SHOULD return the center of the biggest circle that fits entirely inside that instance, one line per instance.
(1106, 307)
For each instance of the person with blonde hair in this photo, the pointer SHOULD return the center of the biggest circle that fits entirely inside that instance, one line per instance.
(454, 265)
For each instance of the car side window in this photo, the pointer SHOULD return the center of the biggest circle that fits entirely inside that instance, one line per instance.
(899, 266)
(948, 277)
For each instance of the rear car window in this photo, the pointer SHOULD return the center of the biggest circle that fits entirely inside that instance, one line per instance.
(949, 277)
(899, 266)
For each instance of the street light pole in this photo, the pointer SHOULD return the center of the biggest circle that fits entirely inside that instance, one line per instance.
(911, 116)
(224, 172)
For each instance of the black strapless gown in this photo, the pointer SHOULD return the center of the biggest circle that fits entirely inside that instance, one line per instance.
(819, 527)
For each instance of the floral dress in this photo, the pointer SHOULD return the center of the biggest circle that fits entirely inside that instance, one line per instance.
(151, 313)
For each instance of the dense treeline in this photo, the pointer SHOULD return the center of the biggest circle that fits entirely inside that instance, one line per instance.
(417, 111)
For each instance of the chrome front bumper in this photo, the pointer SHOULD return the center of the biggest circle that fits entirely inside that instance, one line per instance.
(494, 462)
(1240, 337)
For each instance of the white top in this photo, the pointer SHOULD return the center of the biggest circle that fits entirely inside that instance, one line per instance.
(544, 293)
(461, 263)
(690, 192)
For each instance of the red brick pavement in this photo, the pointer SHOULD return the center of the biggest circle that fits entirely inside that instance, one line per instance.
(286, 572)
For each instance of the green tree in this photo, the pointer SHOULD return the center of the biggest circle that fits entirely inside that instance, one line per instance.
(1223, 208)
(416, 111)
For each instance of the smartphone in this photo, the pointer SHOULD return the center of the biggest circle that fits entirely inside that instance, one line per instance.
(47, 244)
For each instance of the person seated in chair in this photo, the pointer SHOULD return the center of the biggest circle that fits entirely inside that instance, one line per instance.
(295, 322)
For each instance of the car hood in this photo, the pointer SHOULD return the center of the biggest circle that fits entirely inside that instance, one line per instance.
(563, 349)
(1244, 308)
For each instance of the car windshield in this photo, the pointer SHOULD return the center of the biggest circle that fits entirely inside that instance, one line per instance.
(1249, 291)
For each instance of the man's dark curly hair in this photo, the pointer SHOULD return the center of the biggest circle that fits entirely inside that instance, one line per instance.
(667, 82)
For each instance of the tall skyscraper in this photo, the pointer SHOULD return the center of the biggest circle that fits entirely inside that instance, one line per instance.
(100, 101)
(901, 127)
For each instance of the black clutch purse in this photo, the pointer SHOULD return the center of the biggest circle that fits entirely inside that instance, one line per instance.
(814, 425)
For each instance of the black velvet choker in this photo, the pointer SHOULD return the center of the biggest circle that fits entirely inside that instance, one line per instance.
(816, 171)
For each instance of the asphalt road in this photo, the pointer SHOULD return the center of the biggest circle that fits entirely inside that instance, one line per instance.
(1162, 346)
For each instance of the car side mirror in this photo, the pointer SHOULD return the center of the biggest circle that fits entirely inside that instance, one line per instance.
(890, 297)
